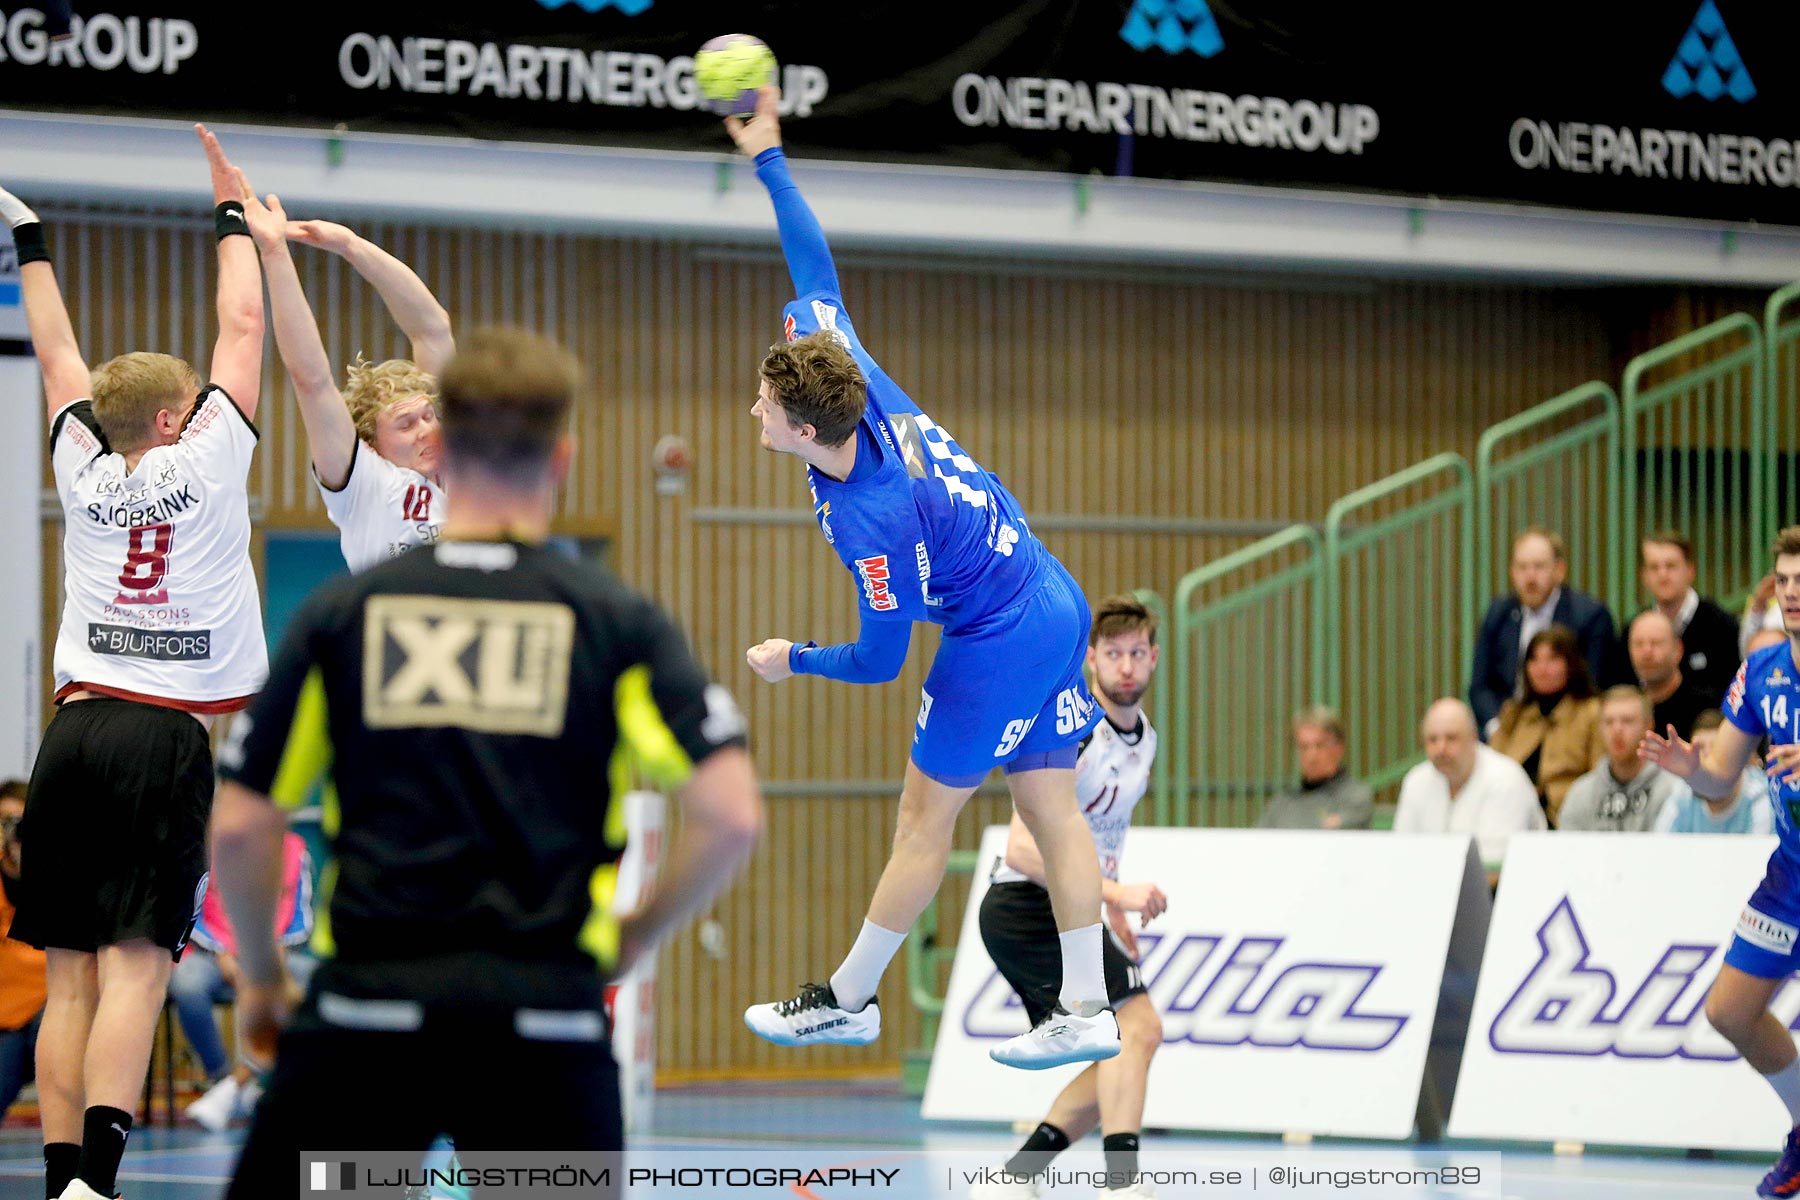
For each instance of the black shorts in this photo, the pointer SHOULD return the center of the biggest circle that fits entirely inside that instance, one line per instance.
(1018, 928)
(113, 843)
(464, 1074)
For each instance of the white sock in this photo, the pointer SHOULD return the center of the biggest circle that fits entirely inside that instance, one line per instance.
(1084, 976)
(855, 982)
(1786, 1083)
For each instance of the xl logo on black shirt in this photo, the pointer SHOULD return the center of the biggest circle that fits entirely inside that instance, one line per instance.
(488, 666)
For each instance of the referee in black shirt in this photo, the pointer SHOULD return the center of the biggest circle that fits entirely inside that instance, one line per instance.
(475, 710)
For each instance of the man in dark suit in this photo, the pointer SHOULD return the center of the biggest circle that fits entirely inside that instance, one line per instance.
(1709, 634)
(1539, 567)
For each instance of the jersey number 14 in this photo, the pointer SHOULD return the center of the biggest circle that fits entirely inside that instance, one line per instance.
(1777, 717)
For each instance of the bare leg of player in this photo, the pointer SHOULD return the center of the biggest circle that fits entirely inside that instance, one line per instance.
(73, 990)
(1738, 1007)
(93, 1052)
(1046, 802)
(922, 839)
(1123, 1081)
(134, 981)
(1077, 1108)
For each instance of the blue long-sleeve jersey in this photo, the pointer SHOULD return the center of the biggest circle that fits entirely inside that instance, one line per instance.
(927, 532)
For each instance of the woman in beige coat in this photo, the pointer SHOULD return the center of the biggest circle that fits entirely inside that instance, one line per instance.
(1551, 726)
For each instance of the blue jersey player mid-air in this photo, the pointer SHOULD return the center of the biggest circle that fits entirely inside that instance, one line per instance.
(1763, 699)
(929, 536)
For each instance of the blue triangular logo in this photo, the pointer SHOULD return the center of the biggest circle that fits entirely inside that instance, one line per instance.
(1172, 26)
(1707, 62)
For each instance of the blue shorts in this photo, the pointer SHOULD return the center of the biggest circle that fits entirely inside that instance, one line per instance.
(1014, 690)
(1765, 945)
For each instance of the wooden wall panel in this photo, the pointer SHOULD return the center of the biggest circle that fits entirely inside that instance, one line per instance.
(1234, 404)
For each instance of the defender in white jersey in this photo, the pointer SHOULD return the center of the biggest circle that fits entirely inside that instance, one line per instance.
(1018, 927)
(377, 451)
(162, 627)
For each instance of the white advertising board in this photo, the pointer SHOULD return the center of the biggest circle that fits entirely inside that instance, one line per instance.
(1298, 977)
(1588, 1022)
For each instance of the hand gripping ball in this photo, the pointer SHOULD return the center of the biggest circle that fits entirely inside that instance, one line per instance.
(729, 69)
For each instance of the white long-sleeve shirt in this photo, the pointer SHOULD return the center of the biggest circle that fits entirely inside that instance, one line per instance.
(1497, 801)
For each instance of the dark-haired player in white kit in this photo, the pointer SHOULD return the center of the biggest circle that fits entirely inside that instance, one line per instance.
(161, 629)
(1111, 776)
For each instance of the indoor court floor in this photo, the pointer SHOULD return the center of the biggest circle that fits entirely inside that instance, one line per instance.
(842, 1121)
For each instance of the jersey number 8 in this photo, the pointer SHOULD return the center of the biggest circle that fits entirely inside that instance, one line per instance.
(146, 557)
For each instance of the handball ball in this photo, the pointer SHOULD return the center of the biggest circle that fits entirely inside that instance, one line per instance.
(729, 69)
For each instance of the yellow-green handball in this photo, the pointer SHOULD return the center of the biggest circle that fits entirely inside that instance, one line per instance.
(729, 69)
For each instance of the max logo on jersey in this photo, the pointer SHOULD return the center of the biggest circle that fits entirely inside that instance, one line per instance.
(875, 578)
(1777, 679)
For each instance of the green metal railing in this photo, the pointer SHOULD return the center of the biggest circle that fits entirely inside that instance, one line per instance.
(1399, 607)
(1555, 465)
(1695, 451)
(1160, 770)
(1248, 650)
(1781, 384)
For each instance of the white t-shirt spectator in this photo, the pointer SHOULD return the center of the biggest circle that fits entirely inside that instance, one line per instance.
(1497, 801)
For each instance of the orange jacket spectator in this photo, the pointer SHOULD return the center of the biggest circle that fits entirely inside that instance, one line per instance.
(21, 974)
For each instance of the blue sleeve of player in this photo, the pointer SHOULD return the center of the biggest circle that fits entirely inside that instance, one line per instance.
(876, 655)
(802, 237)
(1740, 705)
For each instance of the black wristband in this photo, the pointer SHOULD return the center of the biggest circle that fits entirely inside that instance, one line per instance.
(228, 218)
(29, 240)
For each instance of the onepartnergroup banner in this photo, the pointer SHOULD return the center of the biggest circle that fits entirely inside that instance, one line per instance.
(848, 1172)
(1678, 107)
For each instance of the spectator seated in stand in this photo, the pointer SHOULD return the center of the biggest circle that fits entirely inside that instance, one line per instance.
(1327, 797)
(1709, 634)
(1656, 657)
(1551, 726)
(1623, 794)
(1746, 810)
(1466, 787)
(1539, 599)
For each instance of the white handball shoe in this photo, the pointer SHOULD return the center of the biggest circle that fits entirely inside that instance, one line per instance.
(77, 1190)
(1059, 1039)
(813, 1018)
